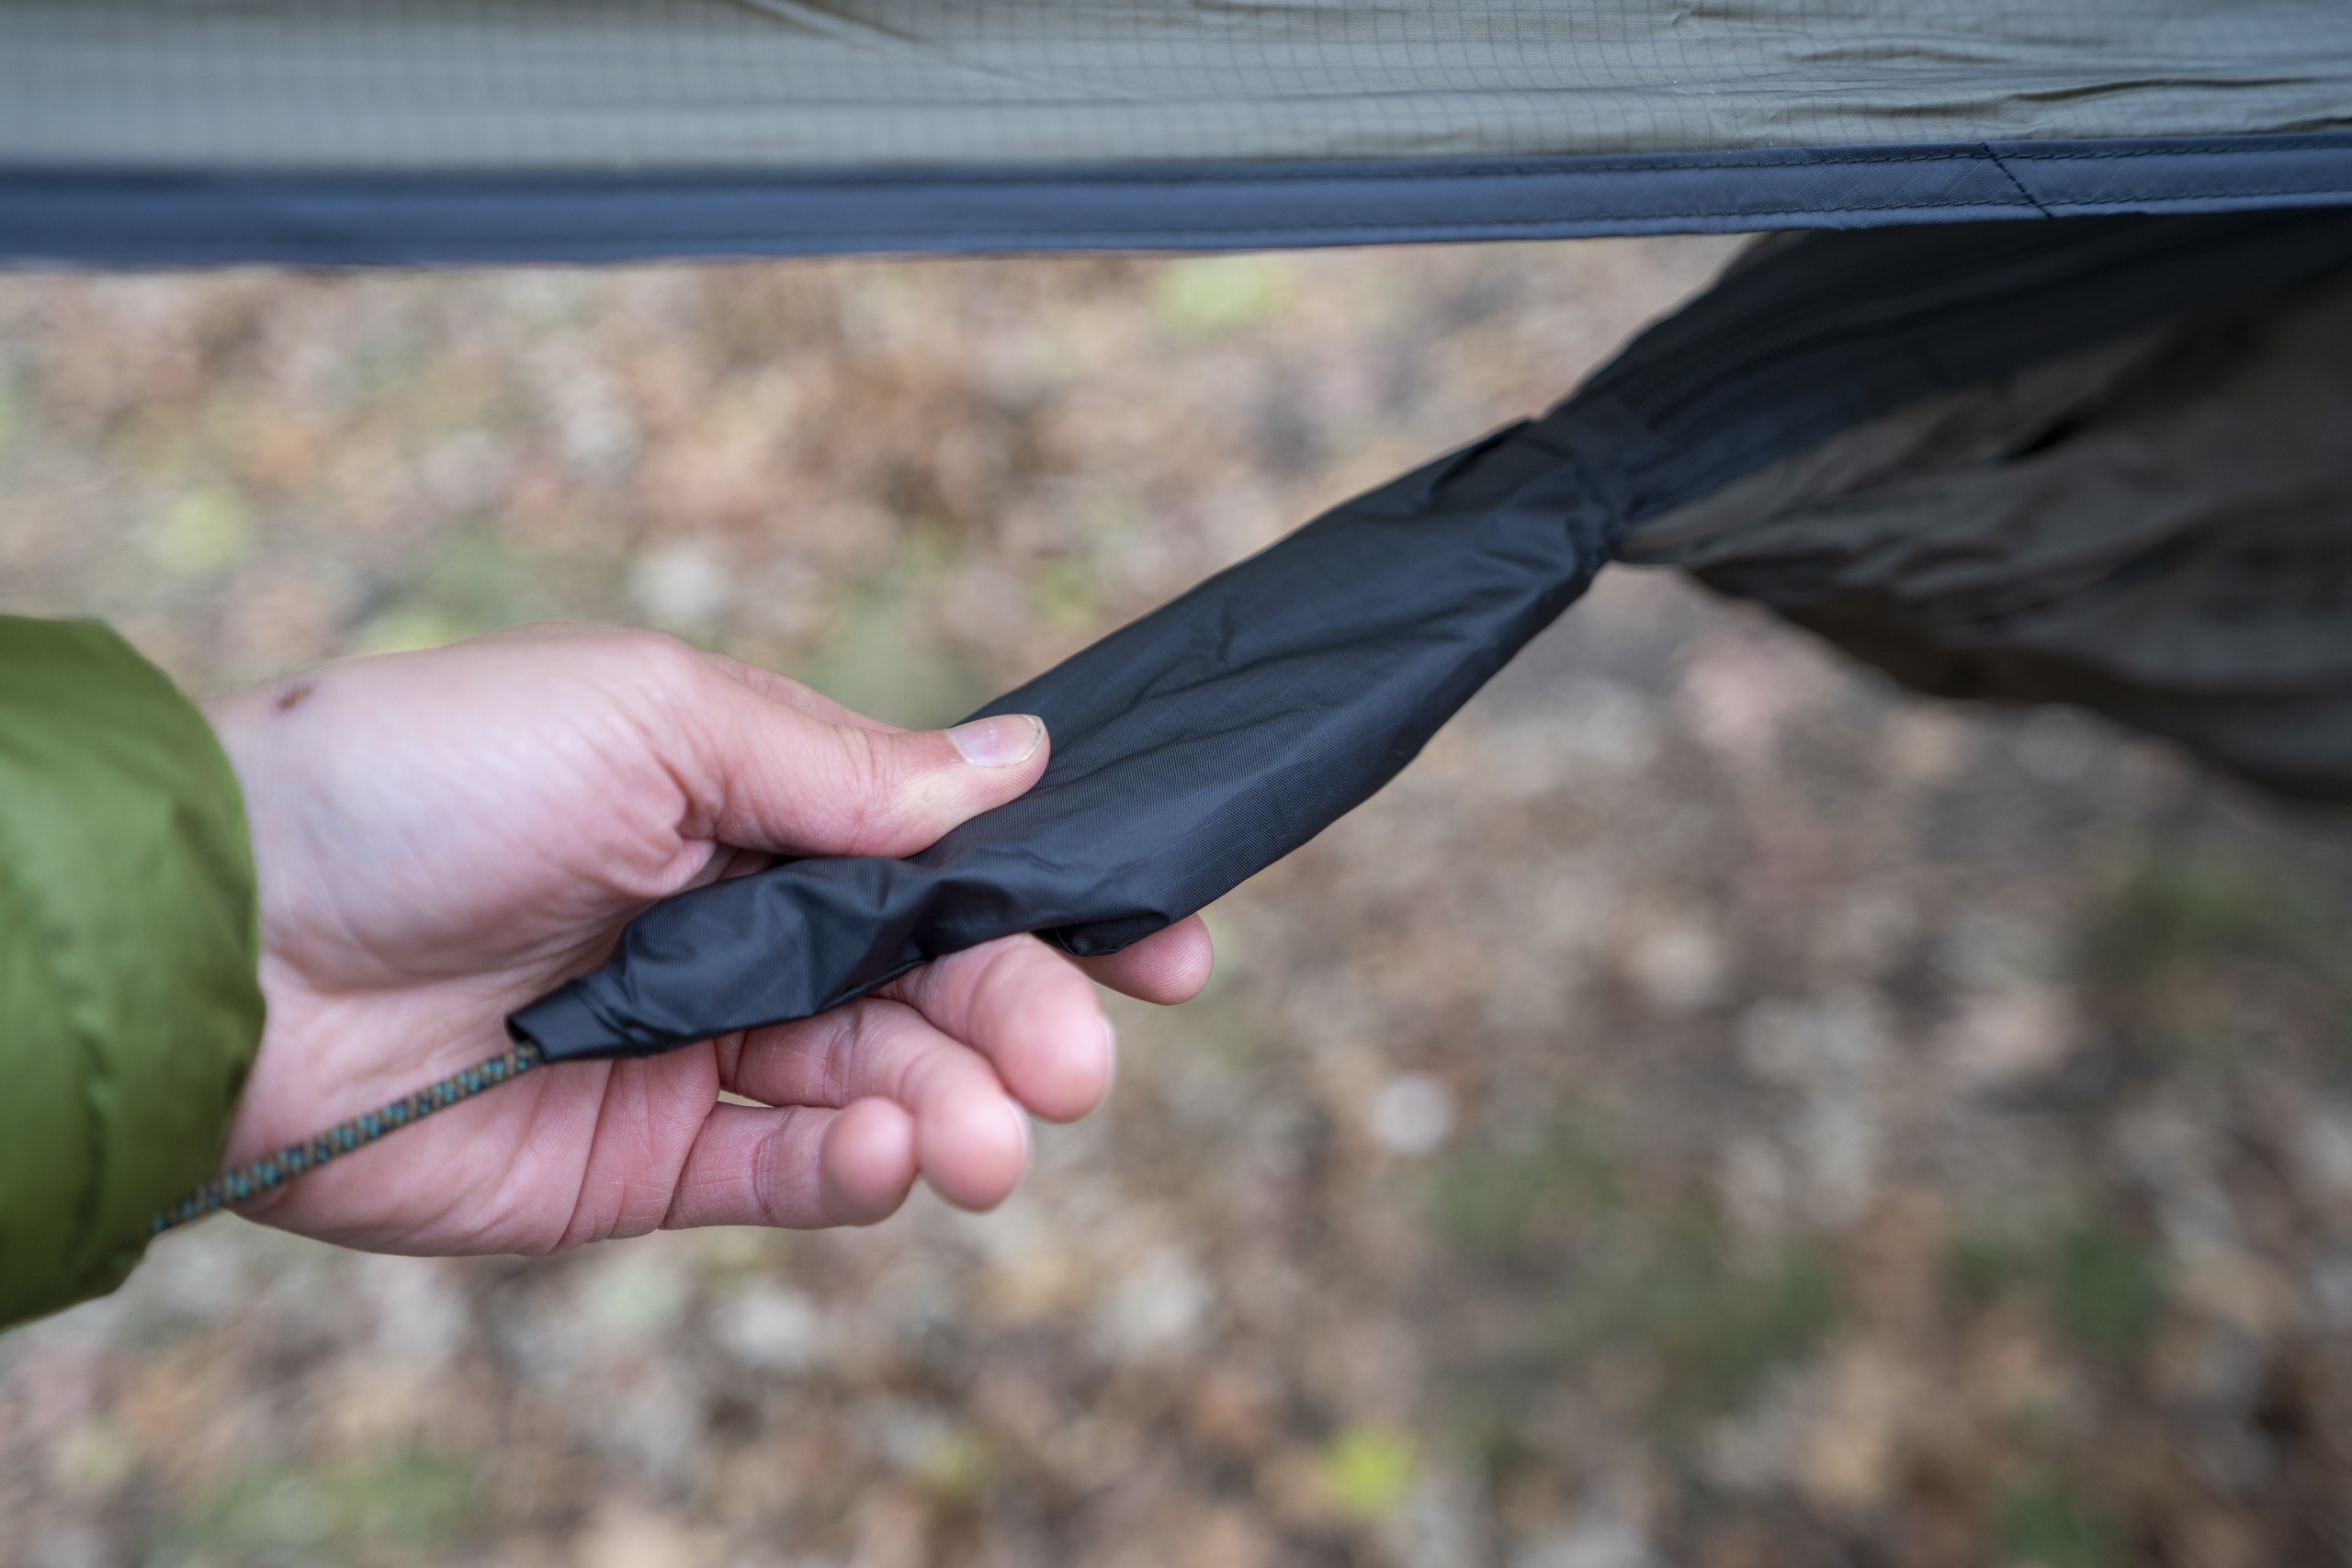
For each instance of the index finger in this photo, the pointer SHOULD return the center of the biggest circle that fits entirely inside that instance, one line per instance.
(1171, 965)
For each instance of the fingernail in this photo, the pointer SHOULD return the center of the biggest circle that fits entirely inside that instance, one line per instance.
(999, 742)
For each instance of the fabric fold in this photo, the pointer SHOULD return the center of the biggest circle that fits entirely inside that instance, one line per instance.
(1218, 733)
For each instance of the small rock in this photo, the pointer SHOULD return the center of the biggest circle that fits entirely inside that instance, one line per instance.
(2003, 1038)
(768, 1327)
(629, 1537)
(1158, 1307)
(1412, 1114)
(1602, 1543)
(682, 585)
(1678, 965)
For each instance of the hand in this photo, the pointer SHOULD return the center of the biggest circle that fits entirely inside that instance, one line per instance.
(444, 836)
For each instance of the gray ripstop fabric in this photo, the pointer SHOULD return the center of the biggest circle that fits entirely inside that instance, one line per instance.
(1204, 741)
(644, 86)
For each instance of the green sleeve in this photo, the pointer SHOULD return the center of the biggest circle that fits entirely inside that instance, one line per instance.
(130, 1006)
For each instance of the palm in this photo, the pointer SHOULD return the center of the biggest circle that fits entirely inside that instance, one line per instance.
(443, 836)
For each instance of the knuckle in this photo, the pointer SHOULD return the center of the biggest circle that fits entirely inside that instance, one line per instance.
(771, 1185)
(648, 666)
(848, 1047)
(878, 781)
(668, 661)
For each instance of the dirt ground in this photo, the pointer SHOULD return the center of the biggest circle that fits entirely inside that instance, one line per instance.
(1713, 1109)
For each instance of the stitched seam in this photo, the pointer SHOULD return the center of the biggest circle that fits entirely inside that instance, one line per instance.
(1119, 236)
(2011, 175)
(1115, 235)
(2044, 153)
(1554, 165)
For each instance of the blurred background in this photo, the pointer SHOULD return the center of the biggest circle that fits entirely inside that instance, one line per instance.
(1713, 1108)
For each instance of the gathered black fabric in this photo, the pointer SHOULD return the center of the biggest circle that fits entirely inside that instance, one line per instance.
(1201, 743)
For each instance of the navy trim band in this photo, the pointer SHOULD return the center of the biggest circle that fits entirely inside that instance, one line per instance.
(159, 219)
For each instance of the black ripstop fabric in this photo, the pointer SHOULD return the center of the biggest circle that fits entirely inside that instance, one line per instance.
(1209, 738)
(2157, 528)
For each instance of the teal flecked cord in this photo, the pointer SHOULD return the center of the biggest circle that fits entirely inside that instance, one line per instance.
(248, 1182)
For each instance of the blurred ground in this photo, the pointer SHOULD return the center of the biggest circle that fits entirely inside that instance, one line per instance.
(1713, 1108)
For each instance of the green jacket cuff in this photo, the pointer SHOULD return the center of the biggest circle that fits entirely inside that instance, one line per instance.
(129, 1002)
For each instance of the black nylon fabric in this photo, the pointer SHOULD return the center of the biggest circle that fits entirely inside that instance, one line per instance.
(1214, 735)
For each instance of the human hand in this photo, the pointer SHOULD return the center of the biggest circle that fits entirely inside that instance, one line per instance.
(443, 836)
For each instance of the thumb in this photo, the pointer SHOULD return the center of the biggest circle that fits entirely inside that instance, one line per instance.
(781, 779)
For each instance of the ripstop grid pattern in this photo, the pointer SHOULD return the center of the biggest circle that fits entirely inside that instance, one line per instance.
(637, 85)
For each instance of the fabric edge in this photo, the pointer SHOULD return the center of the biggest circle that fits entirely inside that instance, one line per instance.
(127, 218)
